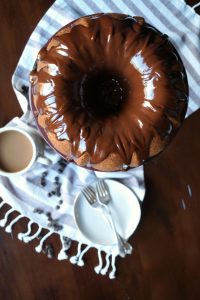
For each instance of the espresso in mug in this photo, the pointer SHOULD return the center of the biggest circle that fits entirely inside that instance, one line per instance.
(16, 151)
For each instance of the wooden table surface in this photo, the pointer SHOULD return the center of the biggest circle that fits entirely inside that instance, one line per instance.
(165, 264)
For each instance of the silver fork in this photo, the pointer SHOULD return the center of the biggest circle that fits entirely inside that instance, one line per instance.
(90, 195)
(104, 197)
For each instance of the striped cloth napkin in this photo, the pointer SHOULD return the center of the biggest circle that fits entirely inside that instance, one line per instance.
(26, 194)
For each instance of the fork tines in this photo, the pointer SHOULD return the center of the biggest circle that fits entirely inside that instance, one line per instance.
(102, 188)
(89, 194)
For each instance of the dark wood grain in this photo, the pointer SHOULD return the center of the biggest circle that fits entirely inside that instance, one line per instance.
(165, 262)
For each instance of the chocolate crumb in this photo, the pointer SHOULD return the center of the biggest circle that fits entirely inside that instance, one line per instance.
(60, 202)
(49, 250)
(43, 183)
(61, 161)
(24, 89)
(49, 194)
(38, 211)
(62, 165)
(58, 227)
(56, 178)
(60, 171)
(66, 241)
(50, 225)
(57, 207)
(54, 225)
(57, 183)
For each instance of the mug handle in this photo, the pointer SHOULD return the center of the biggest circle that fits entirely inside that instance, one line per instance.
(44, 160)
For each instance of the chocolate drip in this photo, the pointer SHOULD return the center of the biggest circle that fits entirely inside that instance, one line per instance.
(109, 84)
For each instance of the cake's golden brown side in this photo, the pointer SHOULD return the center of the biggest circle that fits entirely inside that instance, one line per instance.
(108, 91)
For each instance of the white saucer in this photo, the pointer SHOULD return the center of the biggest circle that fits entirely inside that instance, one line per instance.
(125, 211)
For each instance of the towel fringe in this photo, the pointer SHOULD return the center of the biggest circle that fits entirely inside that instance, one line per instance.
(2, 204)
(113, 265)
(4, 221)
(80, 262)
(196, 5)
(27, 239)
(66, 244)
(22, 235)
(105, 269)
(99, 266)
(9, 227)
(45, 237)
(77, 259)
(74, 259)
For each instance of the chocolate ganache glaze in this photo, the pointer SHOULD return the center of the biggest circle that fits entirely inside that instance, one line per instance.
(108, 91)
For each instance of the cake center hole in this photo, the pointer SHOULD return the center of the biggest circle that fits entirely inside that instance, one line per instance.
(102, 93)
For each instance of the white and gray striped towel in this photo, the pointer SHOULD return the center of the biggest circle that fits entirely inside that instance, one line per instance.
(182, 25)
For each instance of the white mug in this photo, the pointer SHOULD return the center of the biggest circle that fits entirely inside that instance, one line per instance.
(37, 144)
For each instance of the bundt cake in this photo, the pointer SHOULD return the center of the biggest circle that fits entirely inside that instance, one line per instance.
(108, 91)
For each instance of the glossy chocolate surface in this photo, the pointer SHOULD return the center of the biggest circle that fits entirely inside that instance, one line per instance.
(109, 83)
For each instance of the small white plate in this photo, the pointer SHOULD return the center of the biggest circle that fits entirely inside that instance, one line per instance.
(125, 210)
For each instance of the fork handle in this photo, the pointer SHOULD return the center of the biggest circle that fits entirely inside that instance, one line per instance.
(124, 247)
